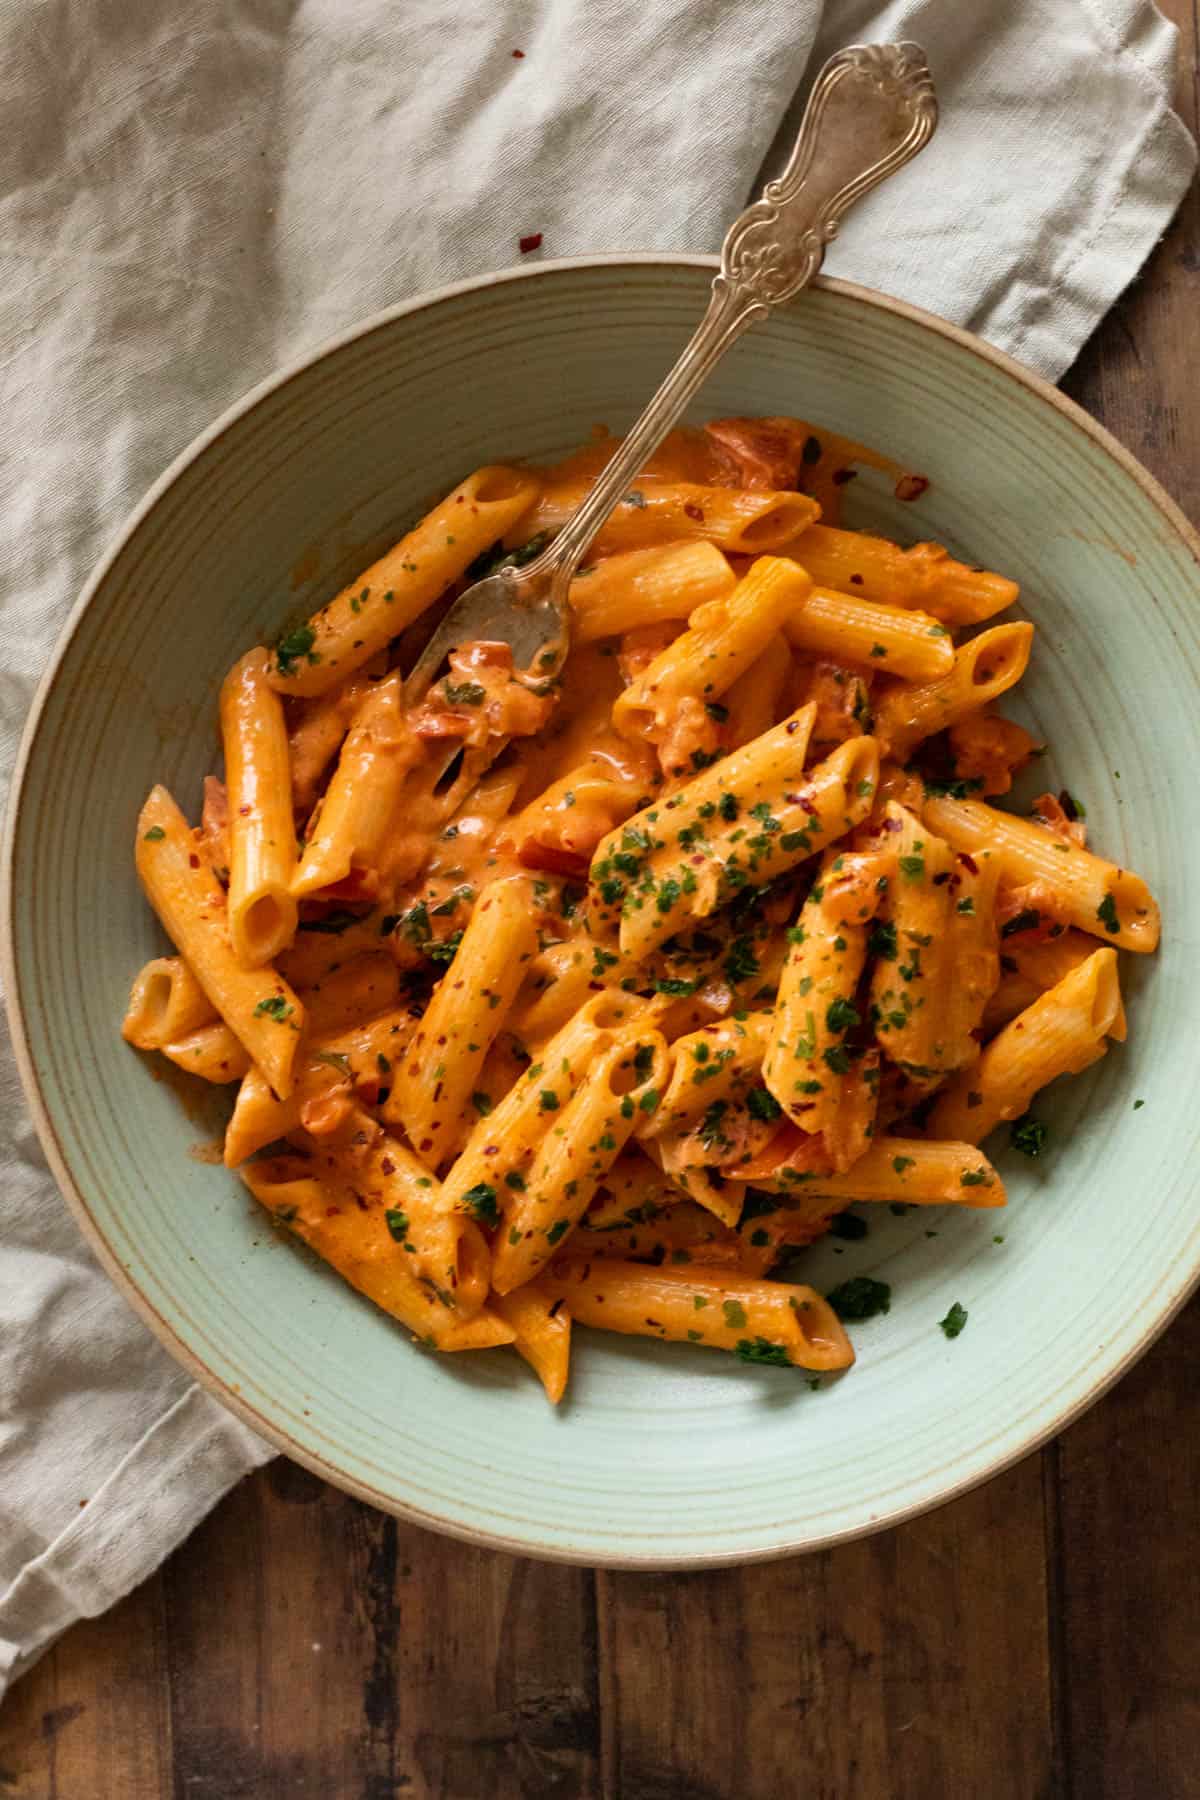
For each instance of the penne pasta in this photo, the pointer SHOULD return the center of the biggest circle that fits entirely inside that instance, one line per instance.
(433, 1082)
(748, 820)
(644, 587)
(262, 837)
(212, 1052)
(926, 576)
(662, 512)
(351, 628)
(588, 999)
(984, 668)
(165, 1002)
(332, 1072)
(891, 640)
(541, 1327)
(360, 1244)
(723, 639)
(918, 1171)
(1062, 1033)
(1077, 887)
(261, 1010)
(759, 1321)
(363, 797)
(541, 1207)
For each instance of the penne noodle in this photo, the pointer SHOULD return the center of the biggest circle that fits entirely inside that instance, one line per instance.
(262, 837)
(891, 640)
(259, 1007)
(356, 991)
(723, 639)
(446, 1249)
(917, 1170)
(755, 700)
(1080, 888)
(1039, 962)
(579, 1147)
(351, 628)
(363, 797)
(332, 1071)
(926, 576)
(936, 958)
(541, 1327)
(643, 587)
(211, 1052)
(751, 818)
(505, 1141)
(318, 736)
(984, 668)
(662, 512)
(685, 949)
(359, 1243)
(1062, 1033)
(165, 1002)
(722, 1309)
(433, 1082)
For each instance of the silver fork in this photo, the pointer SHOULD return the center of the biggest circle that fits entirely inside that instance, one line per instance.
(872, 108)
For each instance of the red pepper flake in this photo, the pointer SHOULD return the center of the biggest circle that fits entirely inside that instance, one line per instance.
(519, 55)
(968, 862)
(193, 861)
(692, 511)
(911, 487)
(532, 242)
(842, 476)
(388, 1166)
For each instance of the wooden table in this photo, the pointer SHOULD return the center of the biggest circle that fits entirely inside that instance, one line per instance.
(1039, 1637)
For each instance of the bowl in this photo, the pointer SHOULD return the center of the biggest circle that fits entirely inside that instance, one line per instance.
(661, 1456)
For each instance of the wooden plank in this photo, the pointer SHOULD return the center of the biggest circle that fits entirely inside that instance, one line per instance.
(1126, 1476)
(91, 1718)
(1129, 1584)
(904, 1664)
(320, 1648)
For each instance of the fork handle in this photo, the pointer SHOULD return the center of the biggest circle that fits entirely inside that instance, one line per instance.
(871, 109)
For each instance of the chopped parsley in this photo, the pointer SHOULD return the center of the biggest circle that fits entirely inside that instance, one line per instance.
(276, 1007)
(292, 647)
(762, 1350)
(842, 1014)
(882, 940)
(862, 1297)
(912, 867)
(548, 1100)
(155, 835)
(480, 1202)
(954, 1320)
(397, 1223)
(761, 1104)
(1029, 1135)
(463, 693)
(1106, 912)
(741, 964)
(735, 1314)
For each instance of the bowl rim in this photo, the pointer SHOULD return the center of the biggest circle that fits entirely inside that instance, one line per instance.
(265, 1427)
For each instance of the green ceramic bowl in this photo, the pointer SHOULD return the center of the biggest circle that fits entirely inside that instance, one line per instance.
(662, 1456)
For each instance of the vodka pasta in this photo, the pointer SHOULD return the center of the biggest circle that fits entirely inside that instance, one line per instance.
(594, 1000)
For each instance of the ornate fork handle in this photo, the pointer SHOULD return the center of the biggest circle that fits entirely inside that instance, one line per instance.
(872, 108)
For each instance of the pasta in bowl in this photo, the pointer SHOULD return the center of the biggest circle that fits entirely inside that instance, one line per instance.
(590, 998)
(660, 1454)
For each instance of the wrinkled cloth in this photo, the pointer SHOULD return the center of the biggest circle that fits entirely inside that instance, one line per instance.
(195, 191)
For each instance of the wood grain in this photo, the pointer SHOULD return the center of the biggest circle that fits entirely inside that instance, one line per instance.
(1039, 1637)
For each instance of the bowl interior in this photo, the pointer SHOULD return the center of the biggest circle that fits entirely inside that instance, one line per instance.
(660, 1455)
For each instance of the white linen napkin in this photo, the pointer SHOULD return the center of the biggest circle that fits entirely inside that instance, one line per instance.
(194, 191)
